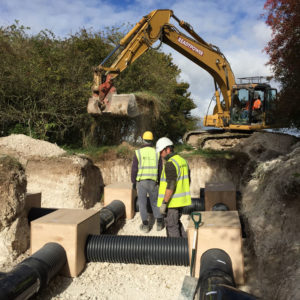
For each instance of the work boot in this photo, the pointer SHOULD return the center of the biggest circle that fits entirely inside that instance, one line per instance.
(145, 227)
(159, 224)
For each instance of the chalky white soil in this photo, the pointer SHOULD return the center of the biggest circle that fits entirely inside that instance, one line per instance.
(26, 146)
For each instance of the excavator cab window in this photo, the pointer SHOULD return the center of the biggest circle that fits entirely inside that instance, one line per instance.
(239, 108)
(270, 105)
(257, 106)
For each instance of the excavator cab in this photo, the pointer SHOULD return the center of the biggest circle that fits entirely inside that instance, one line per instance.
(253, 104)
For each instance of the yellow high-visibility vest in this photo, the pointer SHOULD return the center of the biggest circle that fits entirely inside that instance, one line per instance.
(147, 163)
(182, 195)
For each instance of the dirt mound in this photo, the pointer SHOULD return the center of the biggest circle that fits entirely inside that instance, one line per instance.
(263, 146)
(23, 146)
(64, 181)
(271, 209)
(222, 144)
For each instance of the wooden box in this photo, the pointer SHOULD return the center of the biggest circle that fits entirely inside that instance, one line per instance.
(220, 193)
(69, 228)
(121, 191)
(222, 230)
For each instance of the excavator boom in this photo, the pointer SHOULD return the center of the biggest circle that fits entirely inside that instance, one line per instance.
(151, 28)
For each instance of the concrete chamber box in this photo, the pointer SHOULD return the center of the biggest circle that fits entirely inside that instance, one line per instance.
(222, 230)
(224, 193)
(121, 191)
(69, 228)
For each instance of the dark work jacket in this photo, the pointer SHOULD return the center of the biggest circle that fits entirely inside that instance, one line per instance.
(135, 166)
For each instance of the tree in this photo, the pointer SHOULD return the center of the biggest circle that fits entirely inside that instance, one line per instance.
(177, 119)
(45, 83)
(283, 16)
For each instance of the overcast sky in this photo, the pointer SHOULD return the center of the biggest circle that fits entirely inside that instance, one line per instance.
(234, 26)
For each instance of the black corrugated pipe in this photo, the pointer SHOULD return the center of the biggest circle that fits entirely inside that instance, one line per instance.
(216, 281)
(197, 205)
(38, 212)
(117, 207)
(215, 268)
(32, 274)
(149, 250)
(110, 214)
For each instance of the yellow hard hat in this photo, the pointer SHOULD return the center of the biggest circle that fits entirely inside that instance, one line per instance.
(148, 136)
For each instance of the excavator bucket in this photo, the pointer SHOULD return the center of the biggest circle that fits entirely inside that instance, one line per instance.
(94, 106)
(117, 104)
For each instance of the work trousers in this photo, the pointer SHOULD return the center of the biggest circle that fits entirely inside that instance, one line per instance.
(173, 224)
(145, 188)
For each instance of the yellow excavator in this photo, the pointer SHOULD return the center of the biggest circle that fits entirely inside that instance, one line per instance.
(236, 112)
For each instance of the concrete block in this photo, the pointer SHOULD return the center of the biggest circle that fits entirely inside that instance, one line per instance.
(216, 192)
(32, 200)
(121, 191)
(69, 228)
(222, 230)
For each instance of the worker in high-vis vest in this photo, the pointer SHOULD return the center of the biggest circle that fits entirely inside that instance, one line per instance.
(145, 172)
(174, 188)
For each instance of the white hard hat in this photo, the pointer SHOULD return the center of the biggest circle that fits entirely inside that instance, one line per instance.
(162, 143)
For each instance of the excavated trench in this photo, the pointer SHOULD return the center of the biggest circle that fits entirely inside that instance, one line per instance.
(265, 170)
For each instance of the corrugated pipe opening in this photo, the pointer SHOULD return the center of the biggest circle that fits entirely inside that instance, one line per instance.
(216, 281)
(215, 268)
(149, 250)
(35, 272)
(117, 207)
(220, 207)
(110, 214)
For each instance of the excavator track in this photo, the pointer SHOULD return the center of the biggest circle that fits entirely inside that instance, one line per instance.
(198, 138)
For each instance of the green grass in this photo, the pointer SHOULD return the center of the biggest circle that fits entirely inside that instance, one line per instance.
(183, 148)
(126, 151)
(209, 153)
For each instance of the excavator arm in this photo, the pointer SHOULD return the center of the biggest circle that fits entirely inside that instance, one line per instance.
(151, 28)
